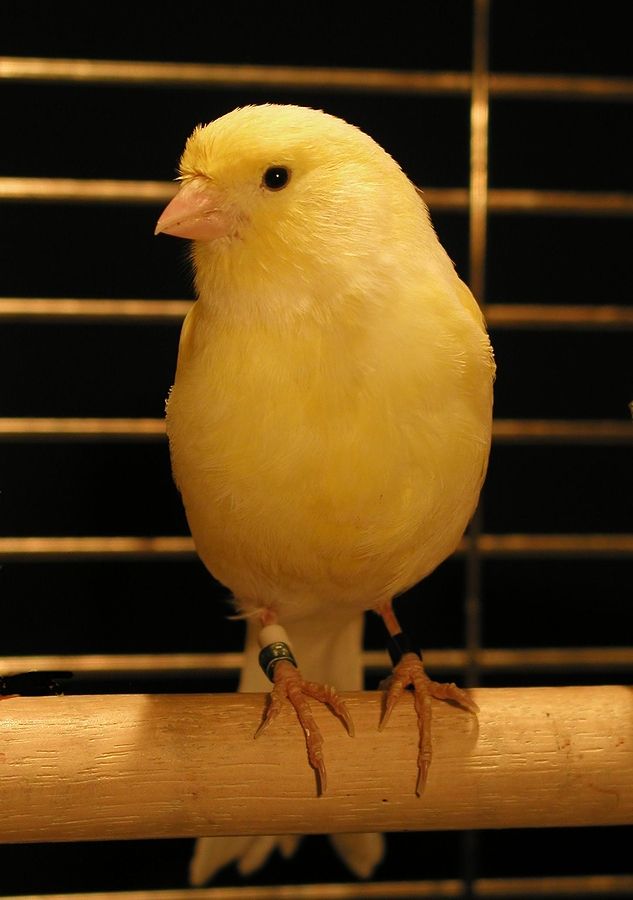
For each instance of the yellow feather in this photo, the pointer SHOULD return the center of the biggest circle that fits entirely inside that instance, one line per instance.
(330, 421)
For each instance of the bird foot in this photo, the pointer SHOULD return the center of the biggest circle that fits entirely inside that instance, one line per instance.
(409, 672)
(290, 686)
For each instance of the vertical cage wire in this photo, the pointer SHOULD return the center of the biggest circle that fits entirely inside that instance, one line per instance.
(478, 213)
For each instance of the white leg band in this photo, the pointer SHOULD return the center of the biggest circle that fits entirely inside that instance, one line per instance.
(273, 634)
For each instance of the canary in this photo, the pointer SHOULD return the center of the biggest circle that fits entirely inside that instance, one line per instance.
(329, 425)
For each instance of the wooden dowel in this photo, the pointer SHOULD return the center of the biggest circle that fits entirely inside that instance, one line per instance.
(133, 766)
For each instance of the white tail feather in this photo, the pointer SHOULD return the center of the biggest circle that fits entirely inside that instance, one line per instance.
(329, 653)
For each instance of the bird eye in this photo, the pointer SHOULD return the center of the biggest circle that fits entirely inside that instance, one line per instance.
(276, 178)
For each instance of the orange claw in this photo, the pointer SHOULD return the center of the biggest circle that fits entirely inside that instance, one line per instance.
(290, 686)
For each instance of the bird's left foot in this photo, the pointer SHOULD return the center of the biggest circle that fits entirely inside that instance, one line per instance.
(290, 686)
(409, 672)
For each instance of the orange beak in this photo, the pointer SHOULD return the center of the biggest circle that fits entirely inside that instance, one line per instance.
(198, 212)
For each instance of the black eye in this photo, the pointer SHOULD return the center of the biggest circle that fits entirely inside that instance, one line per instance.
(276, 177)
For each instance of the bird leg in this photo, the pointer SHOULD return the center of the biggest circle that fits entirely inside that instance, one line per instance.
(280, 667)
(408, 672)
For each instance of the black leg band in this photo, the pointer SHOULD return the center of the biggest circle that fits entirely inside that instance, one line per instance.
(399, 644)
(272, 654)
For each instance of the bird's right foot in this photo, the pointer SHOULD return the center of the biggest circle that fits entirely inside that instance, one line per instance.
(290, 686)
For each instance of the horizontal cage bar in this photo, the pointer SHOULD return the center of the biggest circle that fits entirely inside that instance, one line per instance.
(577, 886)
(499, 200)
(498, 315)
(495, 546)
(162, 74)
(175, 665)
(549, 431)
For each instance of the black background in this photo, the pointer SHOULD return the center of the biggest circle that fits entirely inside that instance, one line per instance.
(50, 369)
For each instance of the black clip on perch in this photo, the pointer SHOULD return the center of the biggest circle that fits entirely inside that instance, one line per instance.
(32, 684)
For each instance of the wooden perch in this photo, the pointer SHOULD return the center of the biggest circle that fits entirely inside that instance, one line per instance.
(132, 766)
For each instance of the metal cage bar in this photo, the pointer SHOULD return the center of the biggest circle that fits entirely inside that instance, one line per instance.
(505, 431)
(499, 315)
(498, 200)
(493, 546)
(166, 74)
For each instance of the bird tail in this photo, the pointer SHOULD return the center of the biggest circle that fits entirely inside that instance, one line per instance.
(328, 656)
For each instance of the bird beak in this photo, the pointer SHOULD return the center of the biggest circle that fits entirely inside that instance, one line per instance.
(198, 212)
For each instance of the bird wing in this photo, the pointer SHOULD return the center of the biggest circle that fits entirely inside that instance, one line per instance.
(467, 300)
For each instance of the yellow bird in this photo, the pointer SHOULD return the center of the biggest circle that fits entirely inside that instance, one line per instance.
(329, 425)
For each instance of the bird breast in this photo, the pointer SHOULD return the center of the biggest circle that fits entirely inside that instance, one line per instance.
(329, 465)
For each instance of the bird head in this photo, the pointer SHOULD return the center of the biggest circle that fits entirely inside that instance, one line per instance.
(287, 196)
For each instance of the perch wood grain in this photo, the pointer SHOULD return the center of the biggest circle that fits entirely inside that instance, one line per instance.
(133, 766)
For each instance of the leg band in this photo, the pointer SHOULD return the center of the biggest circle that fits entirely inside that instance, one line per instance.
(270, 655)
(399, 644)
(273, 634)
